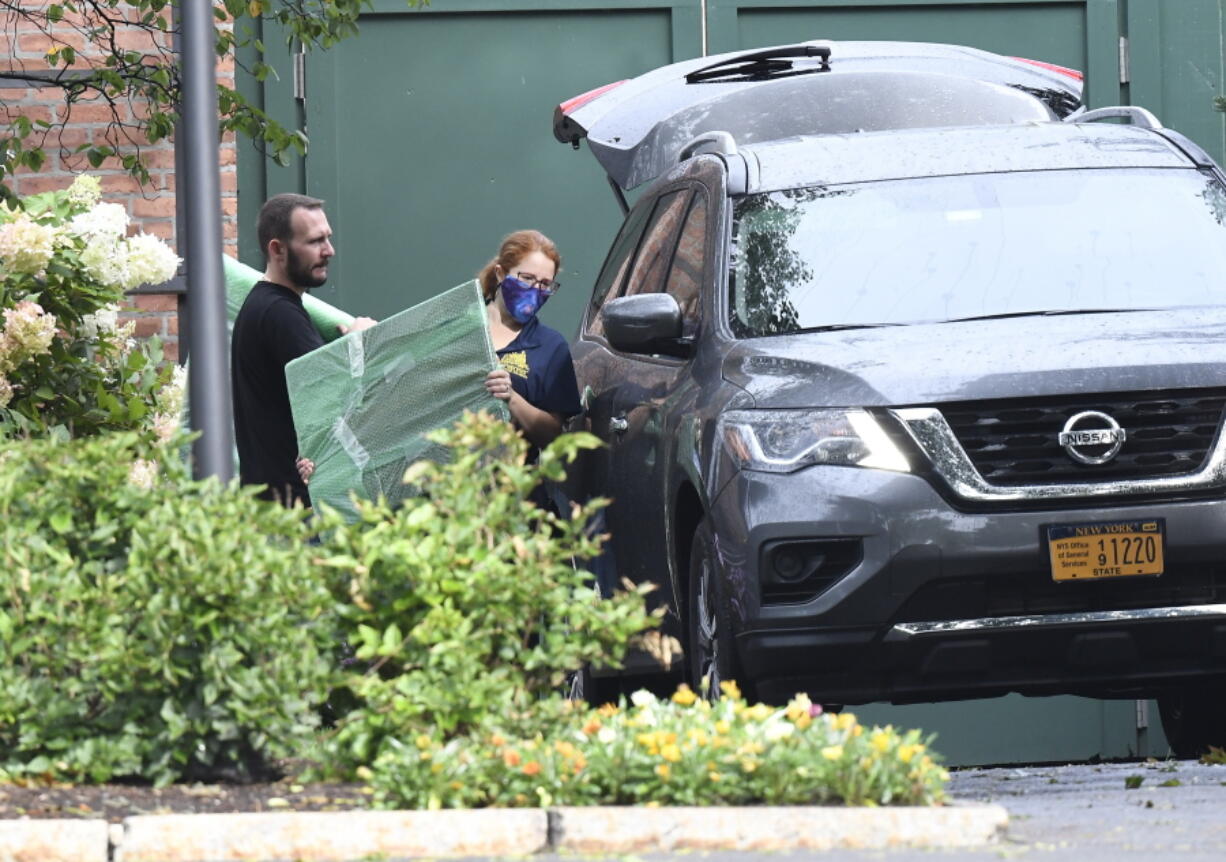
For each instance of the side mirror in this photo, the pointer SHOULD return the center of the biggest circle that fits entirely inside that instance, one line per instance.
(646, 323)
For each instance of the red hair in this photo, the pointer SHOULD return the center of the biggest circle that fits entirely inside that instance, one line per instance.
(515, 247)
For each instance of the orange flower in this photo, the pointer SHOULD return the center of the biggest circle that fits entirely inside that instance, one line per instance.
(592, 726)
(511, 758)
(532, 768)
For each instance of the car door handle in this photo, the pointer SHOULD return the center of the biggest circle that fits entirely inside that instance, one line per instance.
(618, 424)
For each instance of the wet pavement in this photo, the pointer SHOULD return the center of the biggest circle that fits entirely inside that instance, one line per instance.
(1105, 812)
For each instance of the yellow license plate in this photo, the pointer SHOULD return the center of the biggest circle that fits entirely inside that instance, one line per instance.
(1106, 549)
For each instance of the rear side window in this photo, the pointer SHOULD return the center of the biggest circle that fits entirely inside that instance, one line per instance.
(656, 250)
(644, 219)
(614, 271)
(686, 274)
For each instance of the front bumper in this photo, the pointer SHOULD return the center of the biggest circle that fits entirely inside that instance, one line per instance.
(947, 604)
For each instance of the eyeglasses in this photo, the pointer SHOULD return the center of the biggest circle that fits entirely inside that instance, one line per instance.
(546, 286)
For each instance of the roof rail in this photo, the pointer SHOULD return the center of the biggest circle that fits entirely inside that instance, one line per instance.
(1135, 115)
(721, 143)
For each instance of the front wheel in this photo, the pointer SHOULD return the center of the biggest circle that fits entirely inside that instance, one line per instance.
(1194, 719)
(709, 646)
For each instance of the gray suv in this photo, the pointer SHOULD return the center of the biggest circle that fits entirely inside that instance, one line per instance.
(918, 399)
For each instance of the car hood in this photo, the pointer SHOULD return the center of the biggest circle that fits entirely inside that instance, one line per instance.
(971, 360)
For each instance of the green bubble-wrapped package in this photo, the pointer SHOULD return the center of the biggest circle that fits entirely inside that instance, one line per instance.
(363, 403)
(240, 278)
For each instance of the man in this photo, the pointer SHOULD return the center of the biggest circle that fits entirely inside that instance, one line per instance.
(272, 328)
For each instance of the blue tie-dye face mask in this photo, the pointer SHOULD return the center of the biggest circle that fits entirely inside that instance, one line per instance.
(523, 300)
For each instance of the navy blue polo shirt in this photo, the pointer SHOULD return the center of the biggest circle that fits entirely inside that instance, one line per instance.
(538, 360)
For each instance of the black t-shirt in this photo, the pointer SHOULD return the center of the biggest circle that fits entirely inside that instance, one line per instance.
(272, 328)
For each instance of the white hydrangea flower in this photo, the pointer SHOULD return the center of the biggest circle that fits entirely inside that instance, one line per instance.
(104, 264)
(103, 321)
(28, 331)
(86, 190)
(143, 473)
(26, 246)
(6, 391)
(149, 260)
(173, 393)
(165, 425)
(103, 222)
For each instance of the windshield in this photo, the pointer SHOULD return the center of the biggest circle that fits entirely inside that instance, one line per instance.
(946, 248)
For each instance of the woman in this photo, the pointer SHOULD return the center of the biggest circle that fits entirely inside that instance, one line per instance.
(537, 377)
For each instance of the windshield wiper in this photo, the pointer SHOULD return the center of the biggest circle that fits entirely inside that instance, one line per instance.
(1050, 313)
(835, 327)
(762, 65)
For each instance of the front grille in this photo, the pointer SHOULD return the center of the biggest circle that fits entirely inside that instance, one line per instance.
(1010, 595)
(1016, 441)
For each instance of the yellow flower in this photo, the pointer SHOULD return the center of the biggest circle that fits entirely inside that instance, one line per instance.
(663, 770)
(697, 736)
(845, 721)
(722, 726)
(798, 706)
(832, 752)
(608, 710)
(803, 722)
(730, 689)
(684, 696)
(423, 742)
(906, 752)
(880, 741)
(748, 765)
(671, 753)
(564, 748)
(714, 776)
(758, 712)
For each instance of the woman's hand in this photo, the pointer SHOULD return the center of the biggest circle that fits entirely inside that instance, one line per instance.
(498, 384)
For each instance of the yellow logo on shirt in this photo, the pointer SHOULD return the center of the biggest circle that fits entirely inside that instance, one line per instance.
(515, 363)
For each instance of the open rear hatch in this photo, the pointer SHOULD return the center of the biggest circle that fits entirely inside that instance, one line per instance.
(638, 128)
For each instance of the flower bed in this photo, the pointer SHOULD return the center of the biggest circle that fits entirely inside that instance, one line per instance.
(683, 751)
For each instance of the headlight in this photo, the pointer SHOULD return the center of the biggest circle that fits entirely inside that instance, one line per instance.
(782, 441)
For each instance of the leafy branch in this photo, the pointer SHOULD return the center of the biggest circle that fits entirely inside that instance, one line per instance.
(120, 54)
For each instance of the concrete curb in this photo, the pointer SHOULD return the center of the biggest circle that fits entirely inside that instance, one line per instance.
(52, 840)
(338, 836)
(637, 830)
(334, 835)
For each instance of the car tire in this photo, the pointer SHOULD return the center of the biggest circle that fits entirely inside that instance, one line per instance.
(1194, 719)
(710, 649)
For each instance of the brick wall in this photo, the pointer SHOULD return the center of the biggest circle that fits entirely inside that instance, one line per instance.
(151, 208)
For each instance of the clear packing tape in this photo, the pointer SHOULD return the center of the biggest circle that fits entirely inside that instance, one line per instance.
(363, 403)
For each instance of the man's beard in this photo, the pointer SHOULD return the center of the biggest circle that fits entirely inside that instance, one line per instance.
(301, 275)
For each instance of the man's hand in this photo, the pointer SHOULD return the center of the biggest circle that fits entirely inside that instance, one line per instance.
(306, 467)
(359, 323)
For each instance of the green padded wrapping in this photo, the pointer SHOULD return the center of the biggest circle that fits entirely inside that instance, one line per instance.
(363, 403)
(240, 278)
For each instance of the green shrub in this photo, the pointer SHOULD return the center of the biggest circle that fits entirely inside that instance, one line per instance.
(150, 625)
(683, 752)
(467, 602)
